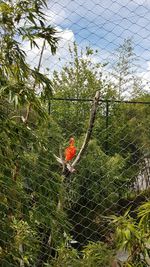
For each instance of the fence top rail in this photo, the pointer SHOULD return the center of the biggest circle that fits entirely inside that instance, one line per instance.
(101, 100)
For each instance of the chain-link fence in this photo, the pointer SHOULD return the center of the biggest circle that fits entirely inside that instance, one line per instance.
(114, 171)
(105, 27)
(56, 210)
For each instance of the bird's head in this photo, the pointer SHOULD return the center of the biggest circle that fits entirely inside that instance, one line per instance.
(71, 141)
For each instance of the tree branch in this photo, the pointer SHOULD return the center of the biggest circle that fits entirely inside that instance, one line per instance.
(90, 128)
(67, 168)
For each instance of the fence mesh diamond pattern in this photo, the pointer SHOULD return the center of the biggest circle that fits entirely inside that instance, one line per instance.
(57, 211)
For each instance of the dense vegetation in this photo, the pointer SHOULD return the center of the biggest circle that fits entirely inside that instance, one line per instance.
(42, 211)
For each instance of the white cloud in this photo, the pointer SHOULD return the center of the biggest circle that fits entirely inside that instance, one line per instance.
(145, 76)
(141, 2)
(48, 60)
(55, 17)
(102, 25)
(65, 35)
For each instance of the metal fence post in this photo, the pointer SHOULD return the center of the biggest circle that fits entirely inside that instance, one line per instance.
(107, 125)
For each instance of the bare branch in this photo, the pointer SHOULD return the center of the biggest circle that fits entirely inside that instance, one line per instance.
(67, 168)
(90, 128)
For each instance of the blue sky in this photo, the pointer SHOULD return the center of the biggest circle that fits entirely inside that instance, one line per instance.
(105, 23)
(102, 25)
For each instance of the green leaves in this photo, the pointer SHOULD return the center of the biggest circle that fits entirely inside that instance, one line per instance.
(97, 254)
(144, 215)
(12, 57)
(29, 190)
(94, 254)
(132, 237)
(33, 33)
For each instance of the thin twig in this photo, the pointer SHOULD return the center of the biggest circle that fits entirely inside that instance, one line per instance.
(15, 171)
(41, 55)
(62, 161)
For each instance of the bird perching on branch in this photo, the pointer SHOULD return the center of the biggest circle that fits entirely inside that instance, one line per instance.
(70, 151)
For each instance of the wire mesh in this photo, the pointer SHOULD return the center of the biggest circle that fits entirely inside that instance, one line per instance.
(104, 27)
(104, 46)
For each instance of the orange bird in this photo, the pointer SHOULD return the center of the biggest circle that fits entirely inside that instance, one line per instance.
(70, 151)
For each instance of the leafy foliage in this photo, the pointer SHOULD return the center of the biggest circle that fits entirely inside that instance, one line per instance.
(29, 184)
(38, 205)
(133, 236)
(94, 254)
(79, 79)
